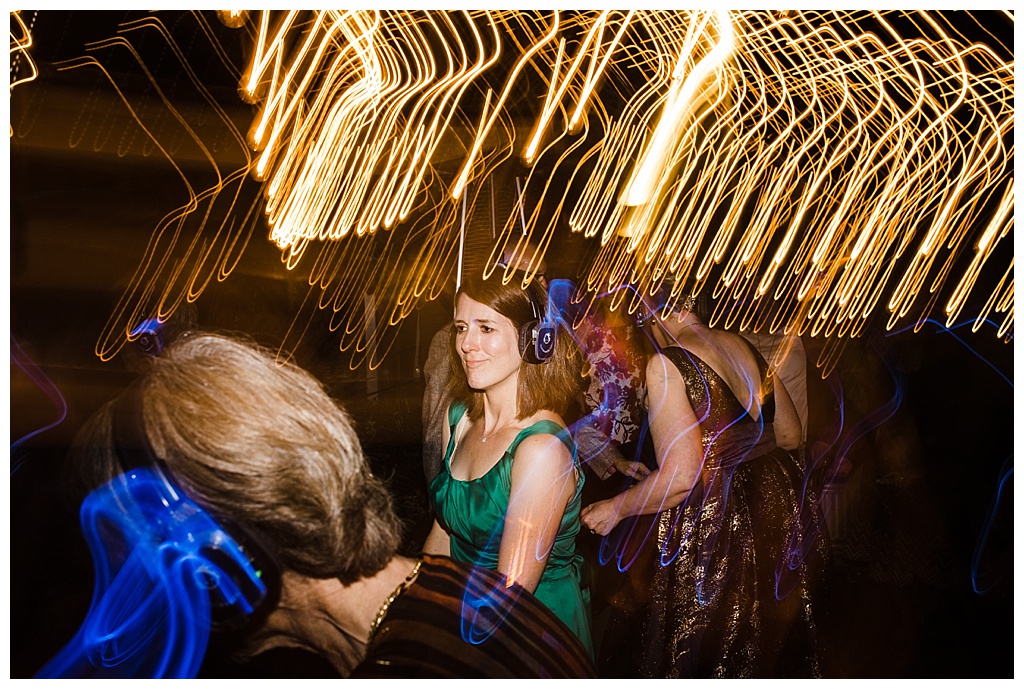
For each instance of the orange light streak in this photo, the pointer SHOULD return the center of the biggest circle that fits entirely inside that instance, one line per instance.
(21, 42)
(812, 169)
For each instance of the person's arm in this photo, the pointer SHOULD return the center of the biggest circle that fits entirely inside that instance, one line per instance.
(434, 415)
(543, 482)
(595, 450)
(437, 542)
(677, 446)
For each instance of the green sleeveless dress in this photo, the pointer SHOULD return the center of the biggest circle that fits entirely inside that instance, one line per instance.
(473, 514)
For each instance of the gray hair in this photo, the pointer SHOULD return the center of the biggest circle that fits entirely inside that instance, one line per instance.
(262, 444)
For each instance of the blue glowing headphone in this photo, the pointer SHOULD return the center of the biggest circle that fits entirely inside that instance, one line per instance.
(240, 572)
(148, 337)
(166, 570)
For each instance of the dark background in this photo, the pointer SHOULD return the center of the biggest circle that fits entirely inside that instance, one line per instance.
(923, 550)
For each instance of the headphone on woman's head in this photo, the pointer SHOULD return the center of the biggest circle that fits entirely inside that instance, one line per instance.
(166, 572)
(536, 336)
(148, 338)
(238, 570)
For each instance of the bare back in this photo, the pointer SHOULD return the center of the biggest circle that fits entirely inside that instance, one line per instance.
(735, 362)
(731, 357)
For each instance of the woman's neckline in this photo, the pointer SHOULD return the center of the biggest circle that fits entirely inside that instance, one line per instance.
(505, 455)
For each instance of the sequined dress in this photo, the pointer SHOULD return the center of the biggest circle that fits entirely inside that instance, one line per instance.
(721, 556)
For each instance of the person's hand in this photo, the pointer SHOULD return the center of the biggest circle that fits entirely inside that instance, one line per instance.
(600, 518)
(637, 470)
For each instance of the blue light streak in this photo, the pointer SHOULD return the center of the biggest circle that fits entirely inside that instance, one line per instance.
(972, 350)
(984, 574)
(150, 615)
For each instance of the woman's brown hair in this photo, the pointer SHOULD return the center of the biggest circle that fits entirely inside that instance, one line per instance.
(553, 385)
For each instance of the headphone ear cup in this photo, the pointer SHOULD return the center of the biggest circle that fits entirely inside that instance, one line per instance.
(536, 341)
(527, 340)
(241, 600)
(544, 346)
(537, 336)
(149, 340)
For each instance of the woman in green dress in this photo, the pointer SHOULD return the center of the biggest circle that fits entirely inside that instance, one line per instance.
(508, 494)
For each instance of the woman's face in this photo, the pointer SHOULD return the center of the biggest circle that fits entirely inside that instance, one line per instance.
(487, 343)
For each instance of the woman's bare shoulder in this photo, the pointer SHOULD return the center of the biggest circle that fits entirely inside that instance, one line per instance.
(542, 415)
(660, 368)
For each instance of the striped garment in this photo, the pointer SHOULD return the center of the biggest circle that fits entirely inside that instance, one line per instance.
(511, 634)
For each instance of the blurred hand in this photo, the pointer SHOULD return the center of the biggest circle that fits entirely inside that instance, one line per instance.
(600, 518)
(637, 470)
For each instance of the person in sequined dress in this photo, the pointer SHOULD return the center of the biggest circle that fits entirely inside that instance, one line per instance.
(738, 552)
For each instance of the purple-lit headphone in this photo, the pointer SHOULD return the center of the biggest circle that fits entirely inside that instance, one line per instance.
(536, 336)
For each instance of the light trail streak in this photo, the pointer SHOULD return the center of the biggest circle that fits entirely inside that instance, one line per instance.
(21, 42)
(814, 170)
(38, 377)
(200, 240)
(990, 569)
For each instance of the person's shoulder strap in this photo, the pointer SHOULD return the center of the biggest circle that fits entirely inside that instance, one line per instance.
(544, 426)
(456, 410)
(768, 401)
(762, 363)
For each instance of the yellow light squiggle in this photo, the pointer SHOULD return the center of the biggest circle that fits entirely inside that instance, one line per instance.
(811, 169)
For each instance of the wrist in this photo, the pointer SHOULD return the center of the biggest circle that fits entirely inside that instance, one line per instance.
(617, 505)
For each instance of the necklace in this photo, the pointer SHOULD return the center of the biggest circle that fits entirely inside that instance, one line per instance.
(391, 599)
(496, 431)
